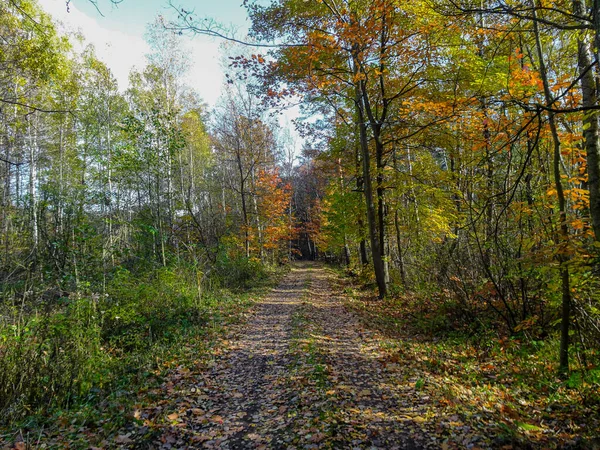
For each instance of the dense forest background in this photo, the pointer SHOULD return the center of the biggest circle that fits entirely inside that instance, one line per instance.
(451, 157)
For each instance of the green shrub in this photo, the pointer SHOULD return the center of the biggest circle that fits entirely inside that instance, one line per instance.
(142, 310)
(56, 353)
(46, 357)
(240, 272)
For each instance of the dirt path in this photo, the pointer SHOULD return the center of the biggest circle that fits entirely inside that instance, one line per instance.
(247, 386)
(302, 373)
(241, 402)
(371, 402)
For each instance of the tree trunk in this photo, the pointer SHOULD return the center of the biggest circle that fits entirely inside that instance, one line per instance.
(563, 232)
(590, 120)
(364, 258)
(378, 265)
(401, 265)
(244, 206)
(33, 181)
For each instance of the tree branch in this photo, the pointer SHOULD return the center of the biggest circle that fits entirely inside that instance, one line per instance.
(35, 108)
(211, 28)
(11, 162)
(523, 13)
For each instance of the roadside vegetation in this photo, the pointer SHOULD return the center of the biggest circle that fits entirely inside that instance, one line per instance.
(84, 363)
(501, 384)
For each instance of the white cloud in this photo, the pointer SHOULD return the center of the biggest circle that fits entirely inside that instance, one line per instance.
(120, 51)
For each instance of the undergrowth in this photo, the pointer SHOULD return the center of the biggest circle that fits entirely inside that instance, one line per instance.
(507, 382)
(83, 358)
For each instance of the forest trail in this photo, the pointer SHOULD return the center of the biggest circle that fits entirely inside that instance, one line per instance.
(302, 373)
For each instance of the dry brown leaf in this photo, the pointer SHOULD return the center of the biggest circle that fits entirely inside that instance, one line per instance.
(123, 439)
(318, 437)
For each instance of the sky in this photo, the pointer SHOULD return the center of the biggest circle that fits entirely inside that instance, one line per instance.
(117, 32)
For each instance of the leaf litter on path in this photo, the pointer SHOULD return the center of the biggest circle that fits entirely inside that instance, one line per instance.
(305, 373)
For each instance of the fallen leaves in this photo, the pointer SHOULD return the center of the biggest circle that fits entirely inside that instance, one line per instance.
(124, 439)
(217, 419)
(479, 397)
(305, 374)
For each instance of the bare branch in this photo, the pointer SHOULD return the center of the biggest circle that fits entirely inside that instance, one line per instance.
(12, 163)
(209, 27)
(527, 13)
(35, 108)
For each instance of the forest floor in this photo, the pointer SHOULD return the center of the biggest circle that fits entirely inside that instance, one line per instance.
(306, 371)
(303, 373)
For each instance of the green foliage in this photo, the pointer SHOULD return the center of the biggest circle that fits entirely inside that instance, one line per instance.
(63, 351)
(48, 358)
(40, 55)
(142, 310)
(238, 272)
